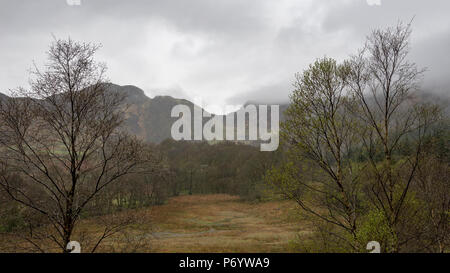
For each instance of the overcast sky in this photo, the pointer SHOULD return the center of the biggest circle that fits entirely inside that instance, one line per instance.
(217, 51)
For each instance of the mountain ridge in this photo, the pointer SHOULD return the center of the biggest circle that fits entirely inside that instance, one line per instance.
(150, 118)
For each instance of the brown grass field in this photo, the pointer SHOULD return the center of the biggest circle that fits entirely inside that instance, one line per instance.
(213, 223)
(222, 223)
(205, 223)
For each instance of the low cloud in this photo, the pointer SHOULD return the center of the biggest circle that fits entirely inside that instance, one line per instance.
(221, 51)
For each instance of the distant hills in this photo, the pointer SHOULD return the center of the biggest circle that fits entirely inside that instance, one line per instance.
(150, 118)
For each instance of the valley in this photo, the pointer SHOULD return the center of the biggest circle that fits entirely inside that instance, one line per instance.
(217, 223)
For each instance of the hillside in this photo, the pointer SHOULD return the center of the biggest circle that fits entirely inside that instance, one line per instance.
(150, 118)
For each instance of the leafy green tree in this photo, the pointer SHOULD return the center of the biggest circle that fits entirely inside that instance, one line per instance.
(320, 132)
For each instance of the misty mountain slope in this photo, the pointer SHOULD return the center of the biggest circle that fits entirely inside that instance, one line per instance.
(150, 118)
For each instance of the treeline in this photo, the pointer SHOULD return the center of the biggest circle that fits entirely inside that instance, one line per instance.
(187, 168)
(202, 168)
(192, 168)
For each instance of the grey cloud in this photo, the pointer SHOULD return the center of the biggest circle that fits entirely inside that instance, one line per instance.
(361, 18)
(224, 51)
(269, 94)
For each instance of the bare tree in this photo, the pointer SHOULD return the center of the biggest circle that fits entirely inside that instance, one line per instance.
(61, 142)
(383, 83)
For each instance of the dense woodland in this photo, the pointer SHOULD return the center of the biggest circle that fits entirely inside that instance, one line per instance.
(363, 153)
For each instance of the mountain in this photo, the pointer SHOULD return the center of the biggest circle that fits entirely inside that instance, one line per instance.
(3, 96)
(150, 118)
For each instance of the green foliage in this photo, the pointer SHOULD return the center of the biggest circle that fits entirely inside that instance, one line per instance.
(325, 238)
(375, 227)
